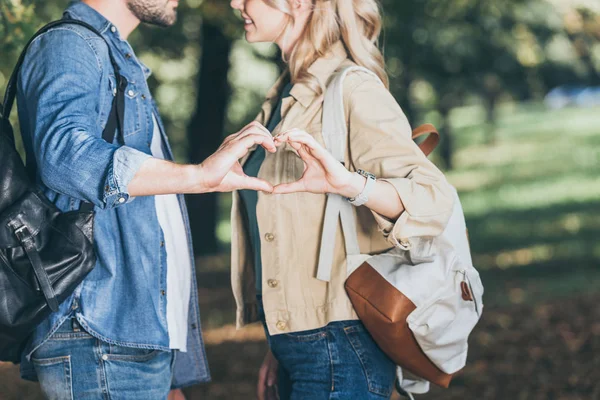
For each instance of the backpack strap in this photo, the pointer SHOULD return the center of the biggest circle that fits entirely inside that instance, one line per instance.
(116, 118)
(431, 141)
(335, 134)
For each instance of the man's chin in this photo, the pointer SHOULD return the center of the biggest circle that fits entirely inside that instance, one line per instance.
(164, 22)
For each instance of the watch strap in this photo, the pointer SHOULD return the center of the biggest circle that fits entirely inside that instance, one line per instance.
(363, 197)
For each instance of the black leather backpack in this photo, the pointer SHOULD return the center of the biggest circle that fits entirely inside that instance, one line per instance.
(44, 254)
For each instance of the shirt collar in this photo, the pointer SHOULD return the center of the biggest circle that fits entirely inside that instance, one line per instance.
(85, 13)
(81, 11)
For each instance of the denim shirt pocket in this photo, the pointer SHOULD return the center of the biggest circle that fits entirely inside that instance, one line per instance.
(133, 124)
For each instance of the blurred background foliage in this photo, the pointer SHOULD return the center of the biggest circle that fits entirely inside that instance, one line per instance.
(524, 155)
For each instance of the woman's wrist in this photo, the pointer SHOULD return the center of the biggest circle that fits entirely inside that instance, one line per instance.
(354, 187)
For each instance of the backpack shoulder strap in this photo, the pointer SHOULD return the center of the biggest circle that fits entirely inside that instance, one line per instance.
(335, 135)
(335, 132)
(116, 117)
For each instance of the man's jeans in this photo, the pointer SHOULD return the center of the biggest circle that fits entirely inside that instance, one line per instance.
(75, 365)
(338, 361)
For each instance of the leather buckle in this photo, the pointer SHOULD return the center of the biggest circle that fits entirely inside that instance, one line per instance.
(20, 232)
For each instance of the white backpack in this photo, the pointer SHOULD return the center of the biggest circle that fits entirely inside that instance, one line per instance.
(440, 292)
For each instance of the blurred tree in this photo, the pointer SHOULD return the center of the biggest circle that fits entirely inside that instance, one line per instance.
(444, 54)
(440, 54)
(205, 130)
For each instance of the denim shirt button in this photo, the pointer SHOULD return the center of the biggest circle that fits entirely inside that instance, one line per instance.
(113, 29)
(121, 200)
(130, 93)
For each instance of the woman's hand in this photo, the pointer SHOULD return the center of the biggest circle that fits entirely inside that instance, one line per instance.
(267, 378)
(322, 172)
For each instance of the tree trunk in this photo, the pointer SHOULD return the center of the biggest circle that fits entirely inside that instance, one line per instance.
(446, 143)
(490, 100)
(205, 132)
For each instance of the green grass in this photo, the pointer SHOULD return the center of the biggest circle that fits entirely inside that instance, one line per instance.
(532, 199)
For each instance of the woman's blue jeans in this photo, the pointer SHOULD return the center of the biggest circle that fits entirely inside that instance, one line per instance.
(339, 361)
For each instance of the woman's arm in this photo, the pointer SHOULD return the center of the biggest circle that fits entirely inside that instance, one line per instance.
(324, 174)
(411, 197)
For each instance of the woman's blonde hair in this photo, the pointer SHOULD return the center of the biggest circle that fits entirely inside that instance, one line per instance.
(357, 23)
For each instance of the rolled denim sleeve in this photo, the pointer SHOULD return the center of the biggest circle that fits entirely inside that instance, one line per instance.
(61, 85)
(381, 143)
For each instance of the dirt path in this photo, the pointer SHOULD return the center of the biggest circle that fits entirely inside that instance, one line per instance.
(546, 351)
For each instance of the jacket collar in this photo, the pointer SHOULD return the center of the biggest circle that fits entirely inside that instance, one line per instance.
(321, 69)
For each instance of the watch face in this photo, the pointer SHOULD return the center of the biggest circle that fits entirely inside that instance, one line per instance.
(366, 174)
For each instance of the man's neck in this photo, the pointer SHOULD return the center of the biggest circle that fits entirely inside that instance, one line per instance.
(117, 12)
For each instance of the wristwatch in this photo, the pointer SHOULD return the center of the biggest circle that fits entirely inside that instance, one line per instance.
(363, 197)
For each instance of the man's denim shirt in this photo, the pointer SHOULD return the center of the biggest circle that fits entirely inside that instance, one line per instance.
(66, 89)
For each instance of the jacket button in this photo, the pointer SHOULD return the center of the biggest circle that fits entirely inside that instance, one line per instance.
(162, 292)
(128, 56)
(113, 29)
(281, 325)
(269, 237)
(130, 93)
(272, 283)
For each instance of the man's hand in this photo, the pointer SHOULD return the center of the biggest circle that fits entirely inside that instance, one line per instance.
(222, 172)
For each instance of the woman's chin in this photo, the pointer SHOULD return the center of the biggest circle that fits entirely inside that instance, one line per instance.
(251, 37)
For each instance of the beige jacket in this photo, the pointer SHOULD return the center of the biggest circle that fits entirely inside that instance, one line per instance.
(290, 225)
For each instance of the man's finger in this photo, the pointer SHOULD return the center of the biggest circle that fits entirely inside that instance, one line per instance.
(256, 125)
(258, 132)
(241, 147)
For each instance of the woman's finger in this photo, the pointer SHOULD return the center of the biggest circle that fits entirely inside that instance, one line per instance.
(257, 184)
(286, 188)
(261, 385)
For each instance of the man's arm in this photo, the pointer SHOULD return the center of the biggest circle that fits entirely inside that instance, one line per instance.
(221, 172)
(60, 83)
